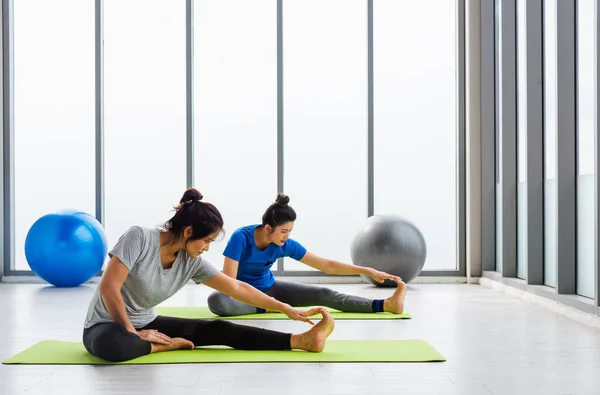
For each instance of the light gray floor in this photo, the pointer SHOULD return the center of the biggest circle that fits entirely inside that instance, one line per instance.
(494, 343)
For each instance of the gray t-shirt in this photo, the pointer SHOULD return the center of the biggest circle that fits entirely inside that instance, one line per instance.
(148, 282)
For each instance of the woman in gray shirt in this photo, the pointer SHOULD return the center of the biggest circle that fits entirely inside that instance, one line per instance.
(147, 266)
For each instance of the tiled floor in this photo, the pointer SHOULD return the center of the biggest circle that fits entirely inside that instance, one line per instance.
(494, 343)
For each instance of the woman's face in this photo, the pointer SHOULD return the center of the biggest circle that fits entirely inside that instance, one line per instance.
(195, 248)
(281, 233)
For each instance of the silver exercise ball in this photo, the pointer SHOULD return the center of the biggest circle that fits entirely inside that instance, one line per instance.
(390, 244)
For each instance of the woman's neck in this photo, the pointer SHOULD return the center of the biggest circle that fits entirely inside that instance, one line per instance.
(168, 249)
(261, 238)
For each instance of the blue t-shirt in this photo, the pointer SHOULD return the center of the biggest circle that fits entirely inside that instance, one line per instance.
(255, 265)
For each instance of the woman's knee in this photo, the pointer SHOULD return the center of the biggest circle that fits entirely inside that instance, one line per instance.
(219, 304)
(115, 344)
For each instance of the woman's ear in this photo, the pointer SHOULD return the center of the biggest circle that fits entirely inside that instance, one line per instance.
(269, 229)
(187, 232)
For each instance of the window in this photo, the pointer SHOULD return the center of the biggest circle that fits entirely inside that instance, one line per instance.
(144, 93)
(522, 240)
(325, 123)
(235, 110)
(586, 101)
(415, 120)
(550, 77)
(54, 122)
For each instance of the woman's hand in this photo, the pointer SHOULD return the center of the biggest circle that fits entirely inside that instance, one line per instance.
(301, 315)
(380, 277)
(153, 336)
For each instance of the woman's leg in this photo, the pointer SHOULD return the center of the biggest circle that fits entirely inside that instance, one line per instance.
(243, 337)
(112, 342)
(226, 306)
(301, 295)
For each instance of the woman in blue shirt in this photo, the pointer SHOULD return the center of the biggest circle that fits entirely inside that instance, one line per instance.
(252, 250)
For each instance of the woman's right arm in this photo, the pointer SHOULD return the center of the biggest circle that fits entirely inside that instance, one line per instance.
(230, 267)
(110, 292)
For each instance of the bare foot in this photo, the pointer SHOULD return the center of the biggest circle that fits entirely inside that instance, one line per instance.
(395, 303)
(180, 343)
(314, 339)
(177, 343)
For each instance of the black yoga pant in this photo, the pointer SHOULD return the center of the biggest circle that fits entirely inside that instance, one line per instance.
(112, 342)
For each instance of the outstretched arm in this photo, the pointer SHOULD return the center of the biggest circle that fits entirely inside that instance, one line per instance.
(248, 294)
(334, 267)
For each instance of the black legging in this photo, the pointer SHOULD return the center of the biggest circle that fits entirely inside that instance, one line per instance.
(112, 342)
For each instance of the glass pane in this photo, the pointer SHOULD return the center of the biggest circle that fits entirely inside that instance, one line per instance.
(235, 110)
(522, 244)
(585, 235)
(54, 112)
(499, 237)
(550, 232)
(586, 101)
(550, 141)
(550, 42)
(325, 123)
(415, 88)
(498, 194)
(521, 91)
(144, 92)
(522, 139)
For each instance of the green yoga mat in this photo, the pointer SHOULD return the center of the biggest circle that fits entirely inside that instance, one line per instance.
(55, 352)
(205, 313)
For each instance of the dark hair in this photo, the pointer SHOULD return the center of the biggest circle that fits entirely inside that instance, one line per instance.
(204, 218)
(279, 212)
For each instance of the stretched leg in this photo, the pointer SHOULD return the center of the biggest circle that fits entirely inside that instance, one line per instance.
(226, 306)
(300, 295)
(243, 337)
(112, 342)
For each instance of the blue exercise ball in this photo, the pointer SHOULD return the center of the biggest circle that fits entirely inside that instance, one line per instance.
(66, 248)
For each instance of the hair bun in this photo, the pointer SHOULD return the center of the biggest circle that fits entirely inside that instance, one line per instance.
(190, 195)
(282, 200)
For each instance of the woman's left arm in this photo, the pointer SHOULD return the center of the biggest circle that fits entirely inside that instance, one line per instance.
(334, 267)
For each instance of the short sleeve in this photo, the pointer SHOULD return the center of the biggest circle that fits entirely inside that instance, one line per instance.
(205, 271)
(235, 246)
(129, 247)
(294, 250)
